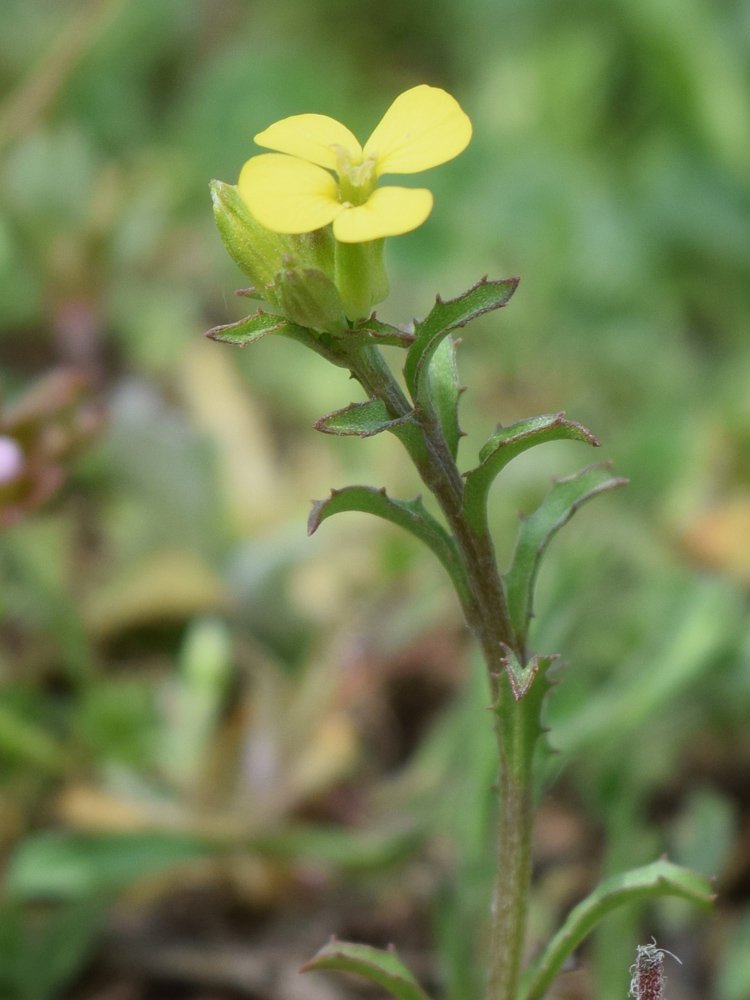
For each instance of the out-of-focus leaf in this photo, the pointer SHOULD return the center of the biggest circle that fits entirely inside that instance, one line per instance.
(360, 419)
(22, 739)
(447, 316)
(504, 445)
(39, 955)
(63, 865)
(658, 879)
(193, 701)
(409, 514)
(538, 529)
(719, 538)
(170, 585)
(707, 621)
(382, 967)
(351, 849)
(734, 970)
(704, 832)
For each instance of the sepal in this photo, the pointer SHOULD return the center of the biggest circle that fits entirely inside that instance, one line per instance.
(384, 968)
(310, 299)
(255, 250)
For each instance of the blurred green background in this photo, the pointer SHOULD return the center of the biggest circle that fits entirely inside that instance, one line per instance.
(221, 741)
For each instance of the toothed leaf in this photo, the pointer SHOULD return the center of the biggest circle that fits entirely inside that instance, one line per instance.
(409, 514)
(445, 391)
(448, 316)
(251, 329)
(384, 333)
(504, 445)
(661, 878)
(360, 419)
(521, 692)
(538, 529)
(246, 331)
(382, 967)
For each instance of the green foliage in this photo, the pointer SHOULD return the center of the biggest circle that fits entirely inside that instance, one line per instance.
(360, 420)
(443, 319)
(607, 167)
(537, 531)
(382, 967)
(409, 514)
(504, 445)
(658, 879)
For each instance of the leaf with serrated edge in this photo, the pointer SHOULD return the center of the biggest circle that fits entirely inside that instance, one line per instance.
(445, 391)
(450, 315)
(251, 329)
(504, 445)
(519, 709)
(409, 514)
(384, 333)
(538, 529)
(360, 419)
(521, 678)
(246, 331)
(382, 967)
(661, 878)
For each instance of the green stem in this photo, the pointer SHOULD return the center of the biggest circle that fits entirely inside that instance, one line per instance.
(486, 611)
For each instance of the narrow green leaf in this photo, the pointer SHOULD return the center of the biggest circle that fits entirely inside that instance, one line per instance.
(658, 879)
(448, 316)
(538, 529)
(360, 419)
(64, 865)
(384, 333)
(445, 391)
(251, 329)
(382, 967)
(504, 445)
(409, 514)
(248, 330)
(355, 850)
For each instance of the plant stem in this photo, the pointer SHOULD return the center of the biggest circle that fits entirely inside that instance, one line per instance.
(486, 613)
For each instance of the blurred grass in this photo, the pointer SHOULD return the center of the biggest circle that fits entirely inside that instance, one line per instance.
(609, 170)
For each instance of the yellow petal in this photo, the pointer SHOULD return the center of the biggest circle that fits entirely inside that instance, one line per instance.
(287, 195)
(389, 211)
(311, 137)
(423, 127)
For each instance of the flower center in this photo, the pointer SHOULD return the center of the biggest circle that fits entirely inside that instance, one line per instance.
(356, 180)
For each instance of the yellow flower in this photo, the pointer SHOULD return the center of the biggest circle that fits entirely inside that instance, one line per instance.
(292, 190)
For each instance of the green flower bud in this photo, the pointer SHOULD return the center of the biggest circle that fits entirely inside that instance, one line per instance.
(361, 276)
(308, 297)
(256, 251)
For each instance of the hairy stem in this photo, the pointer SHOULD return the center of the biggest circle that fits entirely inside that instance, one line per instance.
(486, 612)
